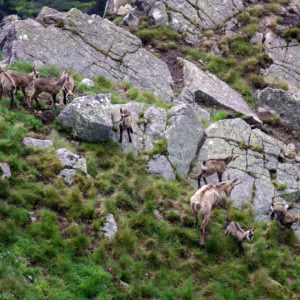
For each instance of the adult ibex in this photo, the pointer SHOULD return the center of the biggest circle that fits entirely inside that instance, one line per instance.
(280, 213)
(208, 197)
(68, 89)
(216, 165)
(125, 124)
(7, 86)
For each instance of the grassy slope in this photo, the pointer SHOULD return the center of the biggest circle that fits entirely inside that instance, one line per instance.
(63, 255)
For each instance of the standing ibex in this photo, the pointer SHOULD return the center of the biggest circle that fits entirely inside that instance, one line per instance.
(68, 89)
(206, 198)
(7, 86)
(280, 213)
(125, 124)
(212, 166)
(23, 80)
(51, 87)
(235, 230)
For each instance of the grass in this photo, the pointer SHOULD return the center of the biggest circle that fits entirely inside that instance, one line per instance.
(292, 33)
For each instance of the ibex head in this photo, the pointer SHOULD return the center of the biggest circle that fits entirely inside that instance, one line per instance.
(250, 234)
(234, 157)
(229, 185)
(124, 113)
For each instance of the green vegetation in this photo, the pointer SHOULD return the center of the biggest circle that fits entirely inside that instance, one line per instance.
(292, 33)
(221, 115)
(62, 253)
(280, 186)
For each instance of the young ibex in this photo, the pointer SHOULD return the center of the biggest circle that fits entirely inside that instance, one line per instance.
(280, 213)
(68, 89)
(212, 166)
(206, 198)
(235, 230)
(23, 80)
(125, 124)
(7, 87)
(51, 87)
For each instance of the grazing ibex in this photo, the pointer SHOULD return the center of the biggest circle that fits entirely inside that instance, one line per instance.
(125, 124)
(235, 230)
(7, 86)
(212, 166)
(206, 198)
(68, 89)
(23, 80)
(51, 87)
(280, 213)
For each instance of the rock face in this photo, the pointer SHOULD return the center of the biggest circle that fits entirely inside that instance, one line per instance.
(208, 88)
(265, 173)
(94, 119)
(95, 47)
(110, 227)
(286, 60)
(286, 104)
(88, 118)
(159, 13)
(5, 170)
(37, 143)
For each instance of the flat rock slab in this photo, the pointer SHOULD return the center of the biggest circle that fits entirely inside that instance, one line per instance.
(6, 173)
(110, 227)
(89, 45)
(71, 160)
(286, 61)
(209, 88)
(37, 143)
(160, 166)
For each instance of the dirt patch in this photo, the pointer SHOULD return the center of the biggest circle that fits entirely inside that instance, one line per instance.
(170, 58)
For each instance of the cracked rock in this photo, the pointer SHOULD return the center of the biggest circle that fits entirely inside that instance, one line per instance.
(71, 160)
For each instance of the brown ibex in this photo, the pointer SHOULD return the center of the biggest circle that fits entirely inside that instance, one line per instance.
(68, 89)
(280, 213)
(235, 230)
(51, 87)
(212, 166)
(125, 124)
(206, 198)
(7, 87)
(23, 80)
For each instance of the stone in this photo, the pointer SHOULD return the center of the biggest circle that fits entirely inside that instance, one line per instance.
(110, 227)
(88, 118)
(71, 160)
(160, 166)
(5, 170)
(185, 129)
(286, 104)
(115, 53)
(37, 143)
(286, 61)
(257, 38)
(159, 13)
(88, 82)
(124, 10)
(68, 175)
(131, 20)
(210, 89)
(157, 215)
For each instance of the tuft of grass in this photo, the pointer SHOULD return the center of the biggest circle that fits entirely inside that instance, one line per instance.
(220, 115)
(157, 33)
(292, 33)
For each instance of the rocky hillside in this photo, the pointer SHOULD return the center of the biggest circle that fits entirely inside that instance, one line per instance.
(84, 217)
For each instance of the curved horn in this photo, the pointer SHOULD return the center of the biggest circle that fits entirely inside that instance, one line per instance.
(232, 151)
(235, 180)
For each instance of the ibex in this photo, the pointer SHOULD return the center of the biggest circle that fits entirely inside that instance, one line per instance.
(280, 213)
(206, 198)
(212, 166)
(235, 230)
(23, 80)
(68, 89)
(51, 87)
(7, 87)
(125, 124)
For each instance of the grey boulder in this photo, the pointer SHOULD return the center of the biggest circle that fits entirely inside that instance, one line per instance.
(88, 118)
(160, 166)
(5, 170)
(110, 227)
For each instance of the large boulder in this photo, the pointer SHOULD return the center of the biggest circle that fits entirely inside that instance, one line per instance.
(286, 60)
(88, 118)
(184, 135)
(89, 45)
(209, 88)
(286, 104)
(260, 165)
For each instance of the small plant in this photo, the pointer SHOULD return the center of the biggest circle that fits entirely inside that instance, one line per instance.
(220, 115)
(192, 54)
(292, 33)
(280, 186)
(118, 20)
(258, 81)
(160, 147)
(257, 148)
(273, 7)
